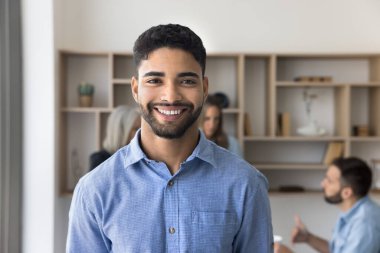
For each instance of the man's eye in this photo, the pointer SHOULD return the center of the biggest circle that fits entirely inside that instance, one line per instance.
(188, 82)
(154, 81)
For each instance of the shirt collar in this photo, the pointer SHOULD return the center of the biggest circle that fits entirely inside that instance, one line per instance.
(350, 213)
(204, 151)
(133, 152)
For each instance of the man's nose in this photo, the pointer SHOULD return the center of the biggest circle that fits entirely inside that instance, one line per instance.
(171, 93)
(323, 183)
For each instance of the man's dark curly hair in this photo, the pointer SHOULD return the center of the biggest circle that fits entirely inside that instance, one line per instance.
(354, 173)
(171, 36)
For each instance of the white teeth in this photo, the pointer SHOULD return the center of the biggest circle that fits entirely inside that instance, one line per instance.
(172, 112)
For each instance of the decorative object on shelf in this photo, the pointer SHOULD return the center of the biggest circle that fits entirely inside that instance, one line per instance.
(314, 79)
(86, 92)
(376, 173)
(334, 150)
(75, 167)
(311, 128)
(222, 98)
(360, 130)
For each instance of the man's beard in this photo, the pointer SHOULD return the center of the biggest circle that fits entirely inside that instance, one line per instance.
(335, 199)
(171, 130)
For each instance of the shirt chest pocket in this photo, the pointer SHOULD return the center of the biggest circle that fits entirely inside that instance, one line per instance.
(213, 231)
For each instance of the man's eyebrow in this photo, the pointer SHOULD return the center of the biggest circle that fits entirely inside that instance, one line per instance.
(185, 74)
(154, 73)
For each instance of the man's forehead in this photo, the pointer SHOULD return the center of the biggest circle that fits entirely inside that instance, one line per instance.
(333, 172)
(173, 60)
(166, 51)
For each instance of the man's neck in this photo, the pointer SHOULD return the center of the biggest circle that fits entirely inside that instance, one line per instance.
(170, 151)
(348, 203)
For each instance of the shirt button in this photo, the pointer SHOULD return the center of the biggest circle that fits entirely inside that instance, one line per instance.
(171, 230)
(171, 183)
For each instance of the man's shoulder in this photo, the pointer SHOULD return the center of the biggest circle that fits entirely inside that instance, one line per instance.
(373, 209)
(368, 214)
(107, 172)
(224, 157)
(235, 166)
(369, 206)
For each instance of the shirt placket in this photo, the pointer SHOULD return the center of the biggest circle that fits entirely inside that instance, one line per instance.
(171, 215)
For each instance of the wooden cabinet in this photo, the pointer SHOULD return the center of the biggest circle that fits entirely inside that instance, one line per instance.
(259, 87)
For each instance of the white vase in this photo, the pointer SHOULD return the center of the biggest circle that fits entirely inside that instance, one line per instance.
(311, 129)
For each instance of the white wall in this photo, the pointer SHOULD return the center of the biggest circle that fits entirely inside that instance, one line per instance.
(224, 25)
(228, 25)
(38, 129)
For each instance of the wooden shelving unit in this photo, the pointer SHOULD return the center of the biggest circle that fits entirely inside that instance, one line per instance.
(295, 166)
(259, 85)
(351, 98)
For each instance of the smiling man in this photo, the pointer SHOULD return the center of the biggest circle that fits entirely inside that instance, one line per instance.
(170, 189)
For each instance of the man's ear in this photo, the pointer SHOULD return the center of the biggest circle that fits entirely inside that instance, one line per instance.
(347, 192)
(135, 88)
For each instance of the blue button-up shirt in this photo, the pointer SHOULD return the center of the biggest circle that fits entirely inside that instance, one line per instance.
(216, 202)
(358, 230)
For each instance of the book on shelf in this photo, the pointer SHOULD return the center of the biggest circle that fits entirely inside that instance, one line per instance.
(334, 150)
(360, 130)
(247, 125)
(283, 128)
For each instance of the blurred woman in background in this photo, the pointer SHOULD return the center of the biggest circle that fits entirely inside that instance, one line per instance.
(212, 126)
(122, 125)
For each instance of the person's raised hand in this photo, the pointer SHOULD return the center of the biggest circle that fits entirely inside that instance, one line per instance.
(299, 233)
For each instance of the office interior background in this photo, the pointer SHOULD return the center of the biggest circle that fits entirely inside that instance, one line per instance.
(231, 26)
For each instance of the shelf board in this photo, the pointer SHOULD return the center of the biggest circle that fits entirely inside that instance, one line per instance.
(295, 138)
(83, 53)
(122, 54)
(341, 55)
(375, 191)
(276, 192)
(122, 81)
(222, 55)
(86, 109)
(326, 84)
(365, 84)
(365, 139)
(289, 166)
(67, 193)
(309, 84)
(231, 110)
(291, 84)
